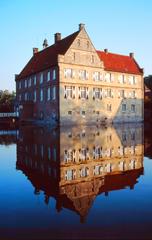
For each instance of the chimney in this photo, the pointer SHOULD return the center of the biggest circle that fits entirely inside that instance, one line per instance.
(45, 43)
(106, 50)
(35, 50)
(16, 75)
(131, 55)
(81, 26)
(57, 37)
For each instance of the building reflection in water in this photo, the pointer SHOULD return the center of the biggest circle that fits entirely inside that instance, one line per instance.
(76, 164)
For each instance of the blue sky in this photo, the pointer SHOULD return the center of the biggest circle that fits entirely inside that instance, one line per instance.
(120, 26)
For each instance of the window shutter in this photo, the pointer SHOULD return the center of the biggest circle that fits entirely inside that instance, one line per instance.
(136, 95)
(101, 76)
(79, 93)
(74, 173)
(136, 80)
(93, 76)
(105, 93)
(125, 79)
(65, 92)
(106, 76)
(112, 93)
(101, 93)
(73, 92)
(119, 94)
(93, 93)
(65, 73)
(79, 74)
(87, 75)
(73, 73)
(120, 78)
(87, 91)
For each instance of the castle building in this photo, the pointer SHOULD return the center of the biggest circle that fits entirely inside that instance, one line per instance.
(71, 82)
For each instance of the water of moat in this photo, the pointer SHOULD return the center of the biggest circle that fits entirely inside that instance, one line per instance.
(84, 182)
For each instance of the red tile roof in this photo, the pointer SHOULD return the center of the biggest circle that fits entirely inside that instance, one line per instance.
(47, 57)
(119, 63)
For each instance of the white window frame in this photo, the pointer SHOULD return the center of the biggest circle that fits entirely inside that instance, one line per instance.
(34, 98)
(48, 76)
(41, 95)
(54, 74)
(122, 107)
(54, 93)
(48, 93)
(41, 77)
(133, 108)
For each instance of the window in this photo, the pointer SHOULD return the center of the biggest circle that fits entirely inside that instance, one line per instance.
(41, 78)
(68, 73)
(48, 94)
(54, 93)
(25, 83)
(83, 74)
(124, 136)
(35, 80)
(29, 82)
(74, 56)
(109, 107)
(98, 170)
(108, 77)
(42, 151)
(88, 44)
(54, 154)
(69, 112)
(69, 92)
(109, 93)
(96, 76)
(84, 172)
(124, 107)
(54, 74)
(48, 76)
(132, 80)
(49, 153)
(78, 42)
(70, 174)
(25, 97)
(34, 98)
(83, 154)
(133, 94)
(97, 93)
(122, 78)
(92, 59)
(41, 95)
(69, 155)
(122, 93)
(20, 97)
(83, 93)
(83, 113)
(133, 108)
(19, 85)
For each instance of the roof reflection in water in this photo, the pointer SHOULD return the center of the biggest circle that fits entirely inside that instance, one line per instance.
(76, 164)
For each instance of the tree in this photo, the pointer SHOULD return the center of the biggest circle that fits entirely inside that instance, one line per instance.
(7, 100)
(148, 81)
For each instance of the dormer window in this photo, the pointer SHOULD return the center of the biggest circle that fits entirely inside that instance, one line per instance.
(78, 42)
(92, 59)
(88, 44)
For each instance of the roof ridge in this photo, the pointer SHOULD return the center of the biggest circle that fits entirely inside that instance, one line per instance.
(113, 53)
(63, 39)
